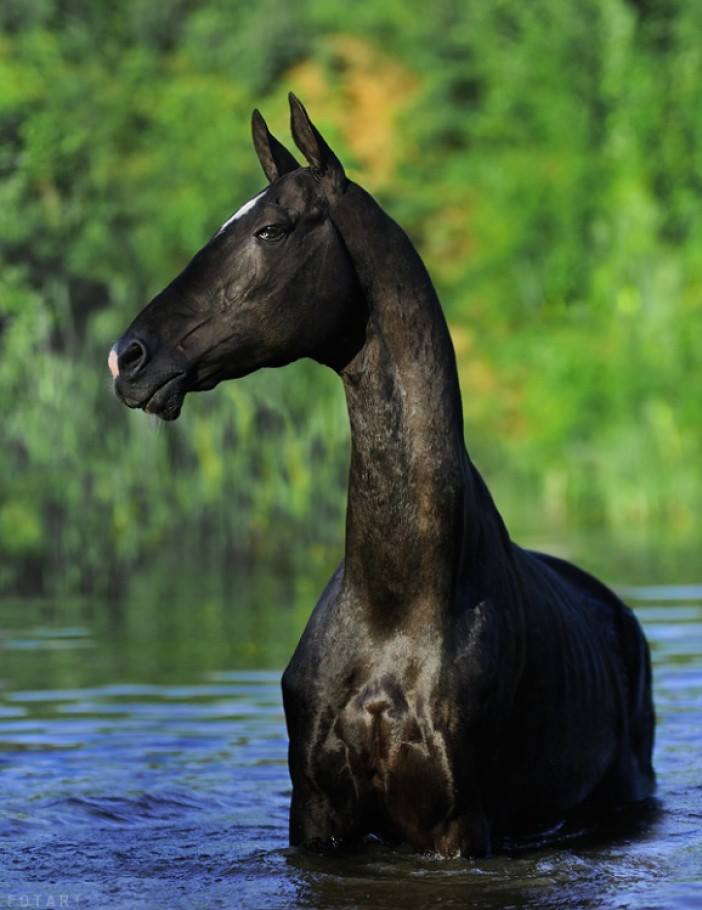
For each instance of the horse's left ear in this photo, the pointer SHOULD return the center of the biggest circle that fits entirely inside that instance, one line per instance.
(275, 159)
(310, 142)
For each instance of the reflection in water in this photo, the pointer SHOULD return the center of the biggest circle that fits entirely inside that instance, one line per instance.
(138, 771)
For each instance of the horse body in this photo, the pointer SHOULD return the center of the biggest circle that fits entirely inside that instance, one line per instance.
(450, 690)
(458, 736)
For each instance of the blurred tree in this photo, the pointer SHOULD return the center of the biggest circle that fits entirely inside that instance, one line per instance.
(546, 157)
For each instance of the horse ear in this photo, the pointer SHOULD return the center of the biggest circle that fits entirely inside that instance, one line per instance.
(275, 159)
(310, 142)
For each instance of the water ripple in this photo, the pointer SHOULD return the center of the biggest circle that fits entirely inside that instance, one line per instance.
(134, 784)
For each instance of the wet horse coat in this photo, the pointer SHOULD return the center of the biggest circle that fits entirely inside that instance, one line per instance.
(451, 689)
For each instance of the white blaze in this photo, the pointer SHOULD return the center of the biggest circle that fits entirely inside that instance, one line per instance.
(246, 207)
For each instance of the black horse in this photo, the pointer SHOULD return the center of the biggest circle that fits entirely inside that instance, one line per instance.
(451, 690)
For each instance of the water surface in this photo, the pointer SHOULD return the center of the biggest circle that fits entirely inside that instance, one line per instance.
(143, 765)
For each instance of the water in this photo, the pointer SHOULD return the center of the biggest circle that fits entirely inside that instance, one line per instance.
(143, 765)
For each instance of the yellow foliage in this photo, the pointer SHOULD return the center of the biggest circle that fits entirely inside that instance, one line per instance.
(476, 373)
(366, 98)
(486, 396)
(449, 243)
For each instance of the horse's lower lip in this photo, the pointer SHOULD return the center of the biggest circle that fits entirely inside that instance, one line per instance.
(166, 401)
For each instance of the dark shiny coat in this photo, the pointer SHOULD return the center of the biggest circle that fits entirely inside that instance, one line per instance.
(451, 689)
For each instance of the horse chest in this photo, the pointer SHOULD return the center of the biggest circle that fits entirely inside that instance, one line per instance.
(388, 739)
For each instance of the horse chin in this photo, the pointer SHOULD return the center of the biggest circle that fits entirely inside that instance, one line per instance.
(167, 401)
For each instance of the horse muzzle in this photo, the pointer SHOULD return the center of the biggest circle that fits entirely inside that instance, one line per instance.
(141, 383)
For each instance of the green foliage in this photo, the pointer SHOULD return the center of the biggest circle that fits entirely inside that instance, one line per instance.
(547, 158)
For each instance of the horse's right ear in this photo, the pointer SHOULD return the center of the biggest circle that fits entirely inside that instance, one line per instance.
(275, 159)
(309, 140)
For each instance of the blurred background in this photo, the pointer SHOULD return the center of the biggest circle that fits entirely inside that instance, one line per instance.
(545, 157)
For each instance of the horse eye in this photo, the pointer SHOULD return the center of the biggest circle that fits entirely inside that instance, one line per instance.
(271, 232)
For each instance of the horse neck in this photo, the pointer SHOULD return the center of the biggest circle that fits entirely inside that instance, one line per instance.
(413, 504)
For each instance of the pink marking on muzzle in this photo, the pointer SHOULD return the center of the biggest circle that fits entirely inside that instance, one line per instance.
(113, 364)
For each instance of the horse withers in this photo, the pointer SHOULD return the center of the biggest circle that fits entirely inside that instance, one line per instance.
(451, 690)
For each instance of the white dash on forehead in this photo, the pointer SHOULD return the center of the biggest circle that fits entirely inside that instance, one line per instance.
(246, 207)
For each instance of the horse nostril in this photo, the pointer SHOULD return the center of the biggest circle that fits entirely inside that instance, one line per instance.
(132, 358)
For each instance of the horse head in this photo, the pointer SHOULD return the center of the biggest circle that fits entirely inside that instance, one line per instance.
(275, 283)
